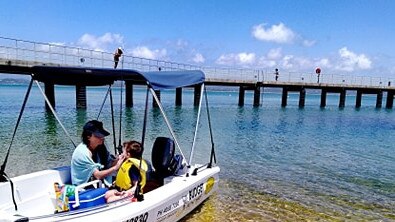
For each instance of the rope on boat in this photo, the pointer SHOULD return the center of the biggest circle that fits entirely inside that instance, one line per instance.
(137, 194)
(113, 123)
(104, 101)
(12, 190)
(109, 92)
(119, 148)
(212, 156)
(2, 170)
(145, 118)
(54, 113)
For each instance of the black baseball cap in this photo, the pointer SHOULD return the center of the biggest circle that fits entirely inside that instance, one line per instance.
(96, 127)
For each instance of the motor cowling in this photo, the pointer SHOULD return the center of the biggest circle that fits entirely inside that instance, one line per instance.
(164, 161)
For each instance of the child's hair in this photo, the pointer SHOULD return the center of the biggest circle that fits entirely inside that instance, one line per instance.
(133, 148)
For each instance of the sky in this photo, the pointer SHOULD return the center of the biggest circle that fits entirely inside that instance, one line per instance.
(347, 37)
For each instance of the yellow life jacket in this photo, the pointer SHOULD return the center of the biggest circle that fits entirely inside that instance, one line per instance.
(123, 180)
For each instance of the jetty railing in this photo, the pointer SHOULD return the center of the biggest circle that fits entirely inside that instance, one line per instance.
(33, 53)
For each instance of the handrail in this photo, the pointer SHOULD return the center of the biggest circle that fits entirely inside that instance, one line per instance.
(32, 52)
(78, 188)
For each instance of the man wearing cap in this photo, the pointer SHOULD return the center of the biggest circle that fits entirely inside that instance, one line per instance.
(83, 168)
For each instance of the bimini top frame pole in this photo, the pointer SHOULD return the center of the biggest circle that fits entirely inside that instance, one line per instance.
(166, 120)
(197, 126)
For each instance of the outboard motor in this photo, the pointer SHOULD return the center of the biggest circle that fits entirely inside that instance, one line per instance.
(162, 155)
(163, 159)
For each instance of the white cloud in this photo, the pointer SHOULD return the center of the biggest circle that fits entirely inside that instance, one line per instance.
(264, 62)
(294, 63)
(349, 61)
(276, 33)
(198, 58)
(246, 58)
(145, 52)
(287, 62)
(181, 44)
(101, 43)
(271, 59)
(324, 62)
(55, 47)
(308, 43)
(237, 59)
(274, 54)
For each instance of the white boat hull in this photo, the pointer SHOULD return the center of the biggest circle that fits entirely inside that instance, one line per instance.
(35, 198)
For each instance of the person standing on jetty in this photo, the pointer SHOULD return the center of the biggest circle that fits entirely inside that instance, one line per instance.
(276, 73)
(117, 54)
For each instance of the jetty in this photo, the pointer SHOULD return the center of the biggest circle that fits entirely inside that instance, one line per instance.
(18, 56)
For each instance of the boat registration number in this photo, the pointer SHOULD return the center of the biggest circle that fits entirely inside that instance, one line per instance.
(196, 191)
(141, 218)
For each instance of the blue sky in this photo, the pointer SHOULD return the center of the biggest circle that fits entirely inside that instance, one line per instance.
(354, 37)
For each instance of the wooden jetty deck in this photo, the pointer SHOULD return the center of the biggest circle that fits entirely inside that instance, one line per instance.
(17, 56)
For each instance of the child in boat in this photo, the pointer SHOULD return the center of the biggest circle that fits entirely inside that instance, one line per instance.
(130, 173)
(83, 167)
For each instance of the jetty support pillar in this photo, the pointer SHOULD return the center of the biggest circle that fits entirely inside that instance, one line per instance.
(302, 97)
(284, 97)
(390, 99)
(80, 95)
(257, 93)
(342, 100)
(178, 96)
(196, 98)
(128, 94)
(358, 100)
(50, 93)
(241, 95)
(379, 101)
(154, 103)
(323, 98)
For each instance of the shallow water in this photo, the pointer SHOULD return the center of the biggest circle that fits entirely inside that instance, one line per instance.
(277, 164)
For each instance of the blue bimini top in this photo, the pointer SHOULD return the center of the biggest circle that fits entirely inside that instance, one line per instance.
(61, 75)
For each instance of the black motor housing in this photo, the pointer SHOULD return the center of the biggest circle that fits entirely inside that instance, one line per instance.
(162, 156)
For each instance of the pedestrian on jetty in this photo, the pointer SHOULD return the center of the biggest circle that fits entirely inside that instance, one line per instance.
(276, 73)
(117, 54)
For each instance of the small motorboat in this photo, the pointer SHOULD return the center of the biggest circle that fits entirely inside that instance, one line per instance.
(180, 185)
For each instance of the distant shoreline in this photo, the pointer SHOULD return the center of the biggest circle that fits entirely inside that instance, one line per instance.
(13, 81)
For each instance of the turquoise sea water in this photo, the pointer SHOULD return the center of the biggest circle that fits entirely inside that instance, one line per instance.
(277, 164)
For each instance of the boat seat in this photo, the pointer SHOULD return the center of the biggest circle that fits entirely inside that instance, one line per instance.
(64, 173)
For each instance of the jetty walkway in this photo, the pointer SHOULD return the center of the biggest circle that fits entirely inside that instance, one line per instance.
(16, 56)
